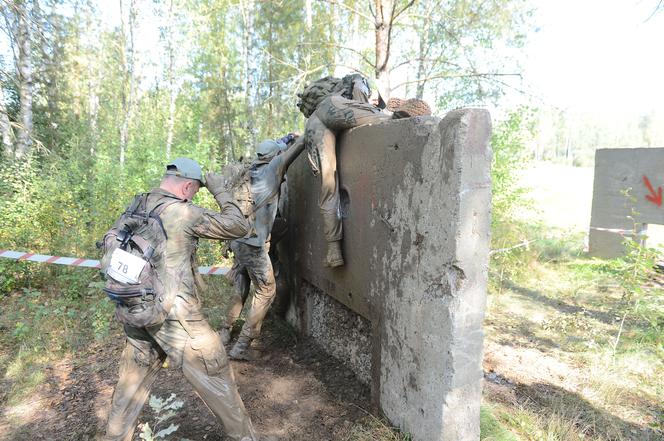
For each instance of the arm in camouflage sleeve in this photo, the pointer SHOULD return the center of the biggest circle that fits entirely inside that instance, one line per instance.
(230, 223)
(287, 158)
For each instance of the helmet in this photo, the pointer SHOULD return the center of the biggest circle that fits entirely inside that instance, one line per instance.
(269, 148)
(185, 168)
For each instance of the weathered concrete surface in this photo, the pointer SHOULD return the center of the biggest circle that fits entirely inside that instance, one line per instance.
(416, 240)
(615, 213)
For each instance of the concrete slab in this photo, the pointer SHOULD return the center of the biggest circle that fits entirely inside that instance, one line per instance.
(416, 206)
(627, 192)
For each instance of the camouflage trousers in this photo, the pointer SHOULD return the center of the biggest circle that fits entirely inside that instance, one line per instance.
(333, 115)
(251, 264)
(202, 358)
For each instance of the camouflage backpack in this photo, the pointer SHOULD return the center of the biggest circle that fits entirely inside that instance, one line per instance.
(239, 184)
(240, 187)
(132, 262)
(315, 92)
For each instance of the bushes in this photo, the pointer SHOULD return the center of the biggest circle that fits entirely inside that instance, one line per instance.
(509, 233)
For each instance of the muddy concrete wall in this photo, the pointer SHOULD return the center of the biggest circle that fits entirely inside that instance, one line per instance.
(627, 195)
(416, 214)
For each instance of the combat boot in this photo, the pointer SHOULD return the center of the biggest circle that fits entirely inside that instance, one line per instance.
(334, 257)
(242, 350)
(225, 334)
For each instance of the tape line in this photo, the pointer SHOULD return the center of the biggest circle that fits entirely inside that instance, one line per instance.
(619, 231)
(87, 263)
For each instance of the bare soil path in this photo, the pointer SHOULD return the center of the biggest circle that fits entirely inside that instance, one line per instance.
(294, 392)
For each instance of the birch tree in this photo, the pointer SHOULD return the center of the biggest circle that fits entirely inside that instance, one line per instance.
(129, 83)
(169, 36)
(247, 8)
(25, 77)
(5, 126)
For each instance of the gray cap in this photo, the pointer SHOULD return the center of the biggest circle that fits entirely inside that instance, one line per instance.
(270, 147)
(185, 168)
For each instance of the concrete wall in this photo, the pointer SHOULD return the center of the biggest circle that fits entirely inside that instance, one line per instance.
(416, 239)
(615, 213)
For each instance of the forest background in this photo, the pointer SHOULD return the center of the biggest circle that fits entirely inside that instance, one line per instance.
(96, 96)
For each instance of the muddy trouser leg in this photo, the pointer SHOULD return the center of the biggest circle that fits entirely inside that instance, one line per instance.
(333, 115)
(260, 271)
(205, 365)
(324, 141)
(140, 361)
(241, 284)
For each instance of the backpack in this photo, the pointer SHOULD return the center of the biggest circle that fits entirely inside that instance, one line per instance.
(318, 90)
(132, 261)
(240, 188)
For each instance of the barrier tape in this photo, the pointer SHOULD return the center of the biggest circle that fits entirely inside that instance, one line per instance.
(619, 231)
(88, 263)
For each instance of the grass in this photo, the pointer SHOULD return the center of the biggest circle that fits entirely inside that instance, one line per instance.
(372, 428)
(491, 429)
(42, 326)
(568, 308)
(553, 318)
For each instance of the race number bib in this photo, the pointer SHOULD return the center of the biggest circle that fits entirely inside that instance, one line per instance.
(125, 267)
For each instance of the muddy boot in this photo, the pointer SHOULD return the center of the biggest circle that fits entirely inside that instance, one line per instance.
(225, 334)
(242, 350)
(334, 257)
(411, 107)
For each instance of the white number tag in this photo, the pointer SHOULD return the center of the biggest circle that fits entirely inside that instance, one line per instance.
(125, 267)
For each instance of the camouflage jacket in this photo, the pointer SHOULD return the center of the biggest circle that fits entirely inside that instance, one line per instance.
(184, 224)
(266, 179)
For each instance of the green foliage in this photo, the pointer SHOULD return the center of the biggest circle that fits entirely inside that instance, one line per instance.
(509, 142)
(510, 236)
(491, 429)
(43, 325)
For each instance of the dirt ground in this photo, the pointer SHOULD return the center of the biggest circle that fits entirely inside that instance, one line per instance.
(293, 392)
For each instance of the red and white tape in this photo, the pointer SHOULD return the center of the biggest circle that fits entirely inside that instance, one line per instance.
(87, 263)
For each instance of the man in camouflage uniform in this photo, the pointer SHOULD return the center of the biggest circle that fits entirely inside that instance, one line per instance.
(185, 337)
(346, 106)
(251, 253)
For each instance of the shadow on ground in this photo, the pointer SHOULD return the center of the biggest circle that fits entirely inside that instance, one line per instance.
(605, 317)
(557, 407)
(292, 393)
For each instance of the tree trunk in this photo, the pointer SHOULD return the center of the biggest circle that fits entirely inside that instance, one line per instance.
(93, 108)
(128, 82)
(270, 78)
(24, 139)
(423, 52)
(171, 82)
(248, 10)
(5, 127)
(308, 7)
(383, 15)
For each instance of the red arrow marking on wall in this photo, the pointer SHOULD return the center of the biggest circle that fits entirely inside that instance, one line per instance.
(655, 198)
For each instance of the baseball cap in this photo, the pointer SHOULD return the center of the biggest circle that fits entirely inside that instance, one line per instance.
(270, 147)
(185, 168)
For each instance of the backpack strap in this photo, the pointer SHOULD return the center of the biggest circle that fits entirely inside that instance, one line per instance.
(159, 208)
(265, 201)
(141, 197)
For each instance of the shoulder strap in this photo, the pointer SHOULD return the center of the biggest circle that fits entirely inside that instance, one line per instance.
(155, 213)
(135, 203)
(265, 201)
